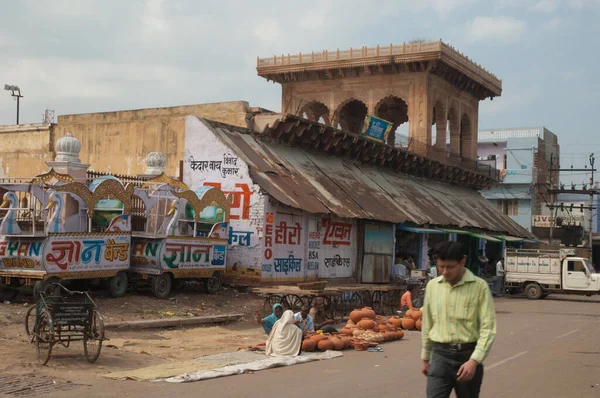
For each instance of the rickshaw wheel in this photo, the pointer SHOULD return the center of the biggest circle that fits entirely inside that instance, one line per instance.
(44, 337)
(92, 338)
(161, 286)
(30, 320)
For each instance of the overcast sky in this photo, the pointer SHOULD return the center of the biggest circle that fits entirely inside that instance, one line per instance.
(77, 56)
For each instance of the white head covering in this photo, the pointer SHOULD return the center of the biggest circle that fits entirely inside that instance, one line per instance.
(285, 338)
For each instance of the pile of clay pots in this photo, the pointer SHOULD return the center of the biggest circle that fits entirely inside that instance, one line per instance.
(368, 329)
(412, 320)
(326, 341)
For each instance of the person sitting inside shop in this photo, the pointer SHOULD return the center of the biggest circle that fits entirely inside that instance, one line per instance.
(268, 321)
(317, 312)
(406, 299)
(285, 339)
(304, 320)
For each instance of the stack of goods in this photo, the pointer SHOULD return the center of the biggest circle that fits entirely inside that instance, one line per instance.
(364, 329)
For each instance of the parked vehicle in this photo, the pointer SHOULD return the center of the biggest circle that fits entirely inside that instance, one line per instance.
(539, 273)
(65, 230)
(184, 235)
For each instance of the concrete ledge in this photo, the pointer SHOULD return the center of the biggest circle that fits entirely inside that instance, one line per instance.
(173, 322)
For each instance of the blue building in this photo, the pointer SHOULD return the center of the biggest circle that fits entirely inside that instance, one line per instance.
(524, 157)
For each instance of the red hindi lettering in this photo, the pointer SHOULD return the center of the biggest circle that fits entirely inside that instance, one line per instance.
(64, 249)
(337, 233)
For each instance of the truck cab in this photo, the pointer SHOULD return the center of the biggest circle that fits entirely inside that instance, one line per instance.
(578, 274)
(540, 272)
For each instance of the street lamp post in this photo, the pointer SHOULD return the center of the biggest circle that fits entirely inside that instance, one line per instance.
(15, 91)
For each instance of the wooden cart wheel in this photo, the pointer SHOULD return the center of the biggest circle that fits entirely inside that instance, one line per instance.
(92, 338)
(334, 308)
(270, 301)
(30, 320)
(44, 337)
(292, 302)
(395, 301)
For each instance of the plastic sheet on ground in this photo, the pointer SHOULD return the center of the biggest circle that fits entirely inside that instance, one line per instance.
(258, 361)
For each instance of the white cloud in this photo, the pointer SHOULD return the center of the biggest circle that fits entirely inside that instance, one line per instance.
(548, 6)
(495, 29)
(445, 6)
(64, 8)
(267, 31)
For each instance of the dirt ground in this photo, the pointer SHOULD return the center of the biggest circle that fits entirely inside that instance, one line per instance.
(126, 350)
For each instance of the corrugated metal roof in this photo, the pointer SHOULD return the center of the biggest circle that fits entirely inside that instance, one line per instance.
(329, 184)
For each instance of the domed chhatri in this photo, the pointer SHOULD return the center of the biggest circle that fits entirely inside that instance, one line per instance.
(67, 149)
(155, 163)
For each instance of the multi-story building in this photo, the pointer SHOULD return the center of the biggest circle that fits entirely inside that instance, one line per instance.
(524, 156)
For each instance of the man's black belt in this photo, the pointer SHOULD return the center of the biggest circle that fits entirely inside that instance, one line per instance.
(456, 346)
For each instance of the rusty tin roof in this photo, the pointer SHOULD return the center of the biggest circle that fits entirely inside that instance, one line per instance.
(326, 184)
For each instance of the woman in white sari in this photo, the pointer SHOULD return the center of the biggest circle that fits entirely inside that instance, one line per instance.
(285, 339)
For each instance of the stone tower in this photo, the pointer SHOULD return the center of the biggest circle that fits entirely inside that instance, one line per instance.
(429, 85)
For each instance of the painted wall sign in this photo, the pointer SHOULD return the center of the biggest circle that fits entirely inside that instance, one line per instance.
(18, 255)
(152, 256)
(86, 252)
(332, 247)
(209, 162)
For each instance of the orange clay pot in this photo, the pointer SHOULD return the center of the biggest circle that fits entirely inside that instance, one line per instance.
(418, 324)
(416, 315)
(366, 324)
(309, 345)
(396, 321)
(325, 345)
(408, 323)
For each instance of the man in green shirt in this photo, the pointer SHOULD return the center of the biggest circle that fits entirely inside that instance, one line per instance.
(459, 326)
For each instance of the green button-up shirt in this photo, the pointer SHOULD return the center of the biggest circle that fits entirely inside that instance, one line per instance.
(462, 313)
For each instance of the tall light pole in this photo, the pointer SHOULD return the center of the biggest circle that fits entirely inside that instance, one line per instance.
(15, 91)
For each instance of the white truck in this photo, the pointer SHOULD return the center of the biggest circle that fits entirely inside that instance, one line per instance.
(540, 272)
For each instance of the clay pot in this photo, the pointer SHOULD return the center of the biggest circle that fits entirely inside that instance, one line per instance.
(366, 324)
(347, 340)
(309, 345)
(356, 316)
(357, 332)
(418, 324)
(391, 336)
(360, 346)
(325, 345)
(408, 323)
(338, 344)
(416, 315)
(368, 312)
(350, 324)
(408, 314)
(383, 327)
(347, 331)
(318, 337)
(400, 334)
(396, 321)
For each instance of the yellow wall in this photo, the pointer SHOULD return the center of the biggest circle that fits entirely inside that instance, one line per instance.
(114, 142)
(24, 149)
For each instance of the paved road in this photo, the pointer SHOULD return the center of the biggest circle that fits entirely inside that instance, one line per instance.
(546, 348)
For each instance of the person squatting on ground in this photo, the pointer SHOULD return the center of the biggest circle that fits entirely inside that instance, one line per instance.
(317, 313)
(459, 326)
(268, 321)
(285, 339)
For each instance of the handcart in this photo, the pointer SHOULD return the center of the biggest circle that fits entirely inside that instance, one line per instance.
(62, 317)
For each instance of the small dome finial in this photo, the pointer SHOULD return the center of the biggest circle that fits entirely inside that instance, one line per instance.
(67, 149)
(156, 163)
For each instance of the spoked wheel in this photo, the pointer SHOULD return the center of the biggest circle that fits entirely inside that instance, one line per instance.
(395, 301)
(30, 320)
(292, 302)
(44, 337)
(334, 308)
(92, 338)
(270, 301)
